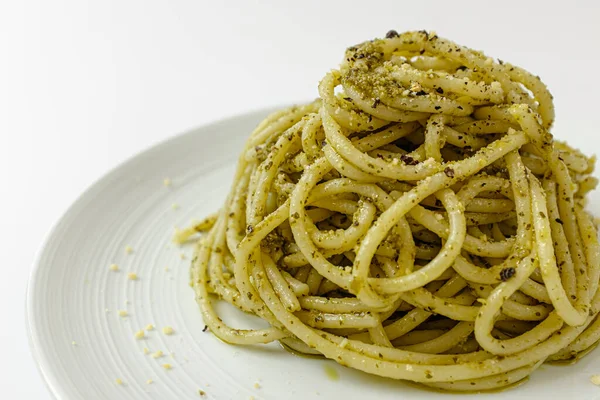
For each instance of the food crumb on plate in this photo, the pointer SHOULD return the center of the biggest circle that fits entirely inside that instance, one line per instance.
(167, 330)
(132, 276)
(167, 182)
(149, 327)
(175, 206)
(119, 381)
(128, 249)
(139, 335)
(201, 392)
(146, 350)
(74, 343)
(122, 313)
(595, 379)
(113, 267)
(149, 382)
(157, 354)
(167, 366)
(256, 385)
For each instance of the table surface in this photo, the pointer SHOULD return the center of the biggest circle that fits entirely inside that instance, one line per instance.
(86, 84)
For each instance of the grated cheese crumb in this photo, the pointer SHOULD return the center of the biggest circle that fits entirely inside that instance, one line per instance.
(344, 343)
(157, 354)
(167, 366)
(113, 267)
(182, 256)
(139, 335)
(132, 276)
(167, 182)
(119, 381)
(128, 249)
(149, 382)
(175, 206)
(146, 350)
(595, 379)
(149, 327)
(167, 330)
(74, 343)
(122, 313)
(256, 385)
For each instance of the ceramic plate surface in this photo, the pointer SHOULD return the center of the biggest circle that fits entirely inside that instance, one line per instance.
(83, 345)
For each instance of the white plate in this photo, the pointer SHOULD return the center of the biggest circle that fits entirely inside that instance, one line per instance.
(82, 345)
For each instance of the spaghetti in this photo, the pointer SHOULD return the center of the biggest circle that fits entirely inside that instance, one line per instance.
(417, 221)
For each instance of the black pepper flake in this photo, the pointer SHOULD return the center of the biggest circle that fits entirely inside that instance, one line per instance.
(391, 34)
(507, 273)
(460, 107)
(461, 68)
(437, 107)
(449, 172)
(249, 229)
(542, 214)
(408, 160)
(559, 221)
(439, 90)
(420, 93)
(205, 328)
(376, 102)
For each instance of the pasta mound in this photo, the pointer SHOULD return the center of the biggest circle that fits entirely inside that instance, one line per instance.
(418, 221)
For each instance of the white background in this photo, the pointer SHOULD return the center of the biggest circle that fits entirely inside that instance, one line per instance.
(86, 84)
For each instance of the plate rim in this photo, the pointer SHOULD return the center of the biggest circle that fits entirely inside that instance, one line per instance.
(51, 381)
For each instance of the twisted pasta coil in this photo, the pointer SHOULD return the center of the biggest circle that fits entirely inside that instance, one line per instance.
(418, 221)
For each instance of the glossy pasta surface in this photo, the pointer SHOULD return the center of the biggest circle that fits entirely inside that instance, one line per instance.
(418, 221)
